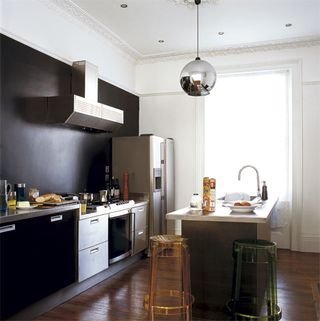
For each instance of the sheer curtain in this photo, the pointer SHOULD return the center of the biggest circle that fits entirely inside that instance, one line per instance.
(247, 122)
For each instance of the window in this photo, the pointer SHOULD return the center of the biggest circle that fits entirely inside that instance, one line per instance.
(247, 123)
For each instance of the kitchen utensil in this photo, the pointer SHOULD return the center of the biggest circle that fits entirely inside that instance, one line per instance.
(86, 197)
(3, 194)
(103, 195)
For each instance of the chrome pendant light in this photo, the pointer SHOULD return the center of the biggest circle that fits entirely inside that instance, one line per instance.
(198, 77)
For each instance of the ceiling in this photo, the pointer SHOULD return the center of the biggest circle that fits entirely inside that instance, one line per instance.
(139, 27)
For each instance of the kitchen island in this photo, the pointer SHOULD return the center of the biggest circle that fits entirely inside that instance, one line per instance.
(210, 239)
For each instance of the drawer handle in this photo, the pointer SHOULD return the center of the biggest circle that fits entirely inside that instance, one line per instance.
(56, 218)
(95, 250)
(140, 233)
(96, 220)
(140, 209)
(7, 228)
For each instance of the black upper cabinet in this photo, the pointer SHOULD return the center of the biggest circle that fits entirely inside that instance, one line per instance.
(38, 257)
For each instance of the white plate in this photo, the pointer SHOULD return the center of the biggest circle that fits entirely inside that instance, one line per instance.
(242, 209)
(26, 208)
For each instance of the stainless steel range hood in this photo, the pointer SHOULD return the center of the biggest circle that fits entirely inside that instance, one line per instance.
(82, 107)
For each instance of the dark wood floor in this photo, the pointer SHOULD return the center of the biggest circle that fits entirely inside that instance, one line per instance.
(120, 297)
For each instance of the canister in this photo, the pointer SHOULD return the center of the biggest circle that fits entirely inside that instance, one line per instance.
(20, 189)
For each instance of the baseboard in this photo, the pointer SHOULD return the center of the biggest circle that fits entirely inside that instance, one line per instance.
(279, 238)
(310, 243)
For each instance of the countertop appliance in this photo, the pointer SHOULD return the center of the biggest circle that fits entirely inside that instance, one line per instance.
(149, 160)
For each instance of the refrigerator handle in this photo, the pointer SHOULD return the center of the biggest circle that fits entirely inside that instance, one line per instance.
(163, 189)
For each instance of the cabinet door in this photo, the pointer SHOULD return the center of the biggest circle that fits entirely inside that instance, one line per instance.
(15, 269)
(93, 231)
(140, 240)
(38, 257)
(93, 260)
(55, 252)
(140, 228)
(140, 217)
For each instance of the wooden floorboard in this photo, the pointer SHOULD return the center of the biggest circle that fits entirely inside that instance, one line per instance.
(120, 298)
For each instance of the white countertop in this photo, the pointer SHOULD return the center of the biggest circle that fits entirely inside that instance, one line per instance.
(223, 214)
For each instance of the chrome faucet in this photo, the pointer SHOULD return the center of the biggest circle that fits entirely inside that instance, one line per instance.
(258, 179)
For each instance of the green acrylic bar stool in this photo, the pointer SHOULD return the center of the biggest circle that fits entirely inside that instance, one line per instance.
(254, 289)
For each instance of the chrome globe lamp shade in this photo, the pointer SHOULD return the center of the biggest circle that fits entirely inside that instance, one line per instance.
(198, 77)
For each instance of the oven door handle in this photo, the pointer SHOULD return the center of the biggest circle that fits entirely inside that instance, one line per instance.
(119, 213)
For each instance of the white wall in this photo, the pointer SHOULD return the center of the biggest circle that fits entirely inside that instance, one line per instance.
(45, 27)
(158, 79)
(174, 116)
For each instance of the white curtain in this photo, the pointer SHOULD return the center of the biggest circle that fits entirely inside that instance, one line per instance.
(247, 122)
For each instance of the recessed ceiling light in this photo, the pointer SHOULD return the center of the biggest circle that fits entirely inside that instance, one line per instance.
(124, 5)
(288, 24)
(220, 33)
(161, 41)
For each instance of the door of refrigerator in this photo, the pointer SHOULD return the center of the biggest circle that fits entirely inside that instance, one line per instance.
(167, 185)
(156, 185)
(132, 154)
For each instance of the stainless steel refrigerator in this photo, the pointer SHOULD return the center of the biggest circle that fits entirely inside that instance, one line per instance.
(149, 160)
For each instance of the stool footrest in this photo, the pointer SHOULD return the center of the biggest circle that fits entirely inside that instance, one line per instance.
(175, 308)
(248, 309)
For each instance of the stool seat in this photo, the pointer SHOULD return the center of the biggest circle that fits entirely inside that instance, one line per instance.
(254, 289)
(167, 239)
(169, 289)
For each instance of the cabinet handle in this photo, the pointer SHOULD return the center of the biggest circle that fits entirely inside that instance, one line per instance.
(56, 218)
(96, 220)
(140, 233)
(7, 228)
(141, 209)
(95, 250)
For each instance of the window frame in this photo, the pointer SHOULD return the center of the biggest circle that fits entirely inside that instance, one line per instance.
(291, 236)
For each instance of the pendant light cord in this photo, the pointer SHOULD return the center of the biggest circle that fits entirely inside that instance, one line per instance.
(197, 2)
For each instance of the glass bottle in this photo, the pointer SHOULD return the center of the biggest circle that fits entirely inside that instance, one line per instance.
(264, 195)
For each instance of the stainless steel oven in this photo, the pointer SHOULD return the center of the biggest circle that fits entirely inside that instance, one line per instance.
(121, 234)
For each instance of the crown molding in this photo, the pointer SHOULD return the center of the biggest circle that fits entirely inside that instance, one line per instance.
(236, 50)
(70, 11)
(191, 3)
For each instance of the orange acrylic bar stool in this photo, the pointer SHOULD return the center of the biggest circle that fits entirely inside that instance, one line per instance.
(170, 289)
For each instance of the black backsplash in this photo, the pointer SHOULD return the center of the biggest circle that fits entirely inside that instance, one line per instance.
(53, 158)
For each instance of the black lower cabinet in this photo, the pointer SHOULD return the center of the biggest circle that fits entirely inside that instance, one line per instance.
(38, 257)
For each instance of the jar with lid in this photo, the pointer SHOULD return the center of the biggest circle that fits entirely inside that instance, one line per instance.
(196, 202)
(33, 194)
(20, 189)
